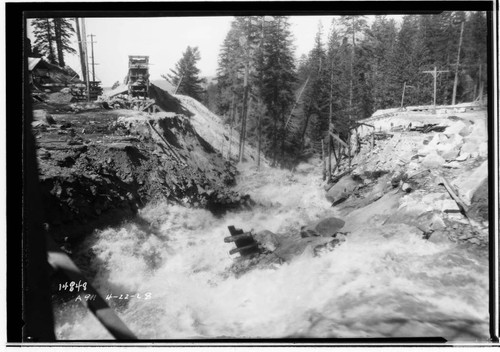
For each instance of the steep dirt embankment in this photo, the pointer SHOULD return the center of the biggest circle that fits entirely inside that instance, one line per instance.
(98, 167)
(211, 128)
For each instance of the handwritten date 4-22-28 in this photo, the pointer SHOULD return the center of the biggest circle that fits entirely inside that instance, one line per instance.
(144, 296)
(109, 296)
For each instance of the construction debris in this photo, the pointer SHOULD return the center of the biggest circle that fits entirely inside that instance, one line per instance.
(431, 127)
(245, 243)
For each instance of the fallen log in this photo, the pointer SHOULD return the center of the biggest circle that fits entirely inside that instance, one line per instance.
(241, 250)
(336, 178)
(338, 139)
(246, 235)
(456, 198)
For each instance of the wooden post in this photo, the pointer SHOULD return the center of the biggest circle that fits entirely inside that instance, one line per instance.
(455, 82)
(92, 54)
(82, 51)
(87, 78)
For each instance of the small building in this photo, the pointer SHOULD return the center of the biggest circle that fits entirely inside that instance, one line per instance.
(45, 76)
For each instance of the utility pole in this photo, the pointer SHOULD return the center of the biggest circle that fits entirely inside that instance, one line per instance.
(455, 83)
(82, 51)
(87, 77)
(434, 73)
(92, 53)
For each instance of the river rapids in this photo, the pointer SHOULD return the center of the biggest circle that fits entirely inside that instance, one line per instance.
(381, 282)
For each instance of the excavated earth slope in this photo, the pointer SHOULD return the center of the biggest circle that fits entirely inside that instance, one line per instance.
(98, 167)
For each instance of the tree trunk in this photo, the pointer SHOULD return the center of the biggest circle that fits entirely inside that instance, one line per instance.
(231, 122)
(330, 121)
(283, 135)
(304, 132)
(480, 85)
(50, 39)
(244, 112)
(275, 139)
(455, 82)
(323, 158)
(58, 39)
(259, 144)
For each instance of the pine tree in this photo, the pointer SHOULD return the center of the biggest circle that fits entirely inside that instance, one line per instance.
(353, 27)
(278, 79)
(316, 95)
(411, 56)
(186, 74)
(63, 31)
(381, 38)
(229, 73)
(475, 53)
(43, 30)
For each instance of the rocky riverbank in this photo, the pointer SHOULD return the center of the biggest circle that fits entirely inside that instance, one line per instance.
(97, 167)
(430, 180)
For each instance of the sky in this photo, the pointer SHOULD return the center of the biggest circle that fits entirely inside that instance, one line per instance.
(164, 39)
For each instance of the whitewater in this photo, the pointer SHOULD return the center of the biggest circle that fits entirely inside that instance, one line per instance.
(381, 282)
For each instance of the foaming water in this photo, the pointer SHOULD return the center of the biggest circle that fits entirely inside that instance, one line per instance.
(382, 282)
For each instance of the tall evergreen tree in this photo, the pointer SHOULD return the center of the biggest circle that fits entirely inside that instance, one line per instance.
(63, 31)
(475, 53)
(316, 94)
(53, 38)
(43, 30)
(381, 38)
(410, 57)
(186, 74)
(354, 27)
(278, 79)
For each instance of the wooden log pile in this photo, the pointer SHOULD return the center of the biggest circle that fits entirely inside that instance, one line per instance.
(245, 243)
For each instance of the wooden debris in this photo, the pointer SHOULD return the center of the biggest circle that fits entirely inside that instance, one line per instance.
(245, 244)
(338, 139)
(431, 127)
(241, 250)
(336, 178)
(246, 235)
(170, 149)
(456, 198)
